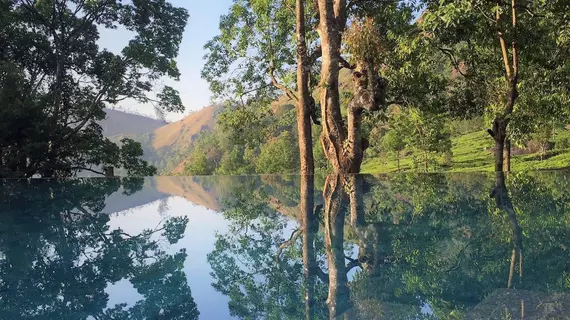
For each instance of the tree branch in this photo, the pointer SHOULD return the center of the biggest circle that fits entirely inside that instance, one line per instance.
(281, 87)
(98, 99)
(449, 53)
(504, 51)
(88, 169)
(322, 275)
(345, 64)
(352, 264)
(294, 236)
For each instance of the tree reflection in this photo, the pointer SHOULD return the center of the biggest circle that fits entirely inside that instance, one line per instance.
(421, 247)
(334, 195)
(309, 226)
(504, 203)
(59, 254)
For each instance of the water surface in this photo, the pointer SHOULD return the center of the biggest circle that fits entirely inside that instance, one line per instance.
(400, 246)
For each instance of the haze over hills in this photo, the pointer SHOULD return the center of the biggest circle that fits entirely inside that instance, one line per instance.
(165, 144)
(122, 123)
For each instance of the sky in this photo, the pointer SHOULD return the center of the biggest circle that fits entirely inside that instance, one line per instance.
(202, 26)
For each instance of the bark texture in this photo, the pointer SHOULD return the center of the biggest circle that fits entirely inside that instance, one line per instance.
(305, 103)
(342, 142)
(511, 63)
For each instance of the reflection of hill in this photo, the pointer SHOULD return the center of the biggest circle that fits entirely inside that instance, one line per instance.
(189, 188)
(118, 202)
(213, 192)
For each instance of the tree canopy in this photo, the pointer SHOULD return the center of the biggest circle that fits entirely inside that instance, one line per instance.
(56, 81)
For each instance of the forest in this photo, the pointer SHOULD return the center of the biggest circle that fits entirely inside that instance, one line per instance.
(384, 86)
(304, 86)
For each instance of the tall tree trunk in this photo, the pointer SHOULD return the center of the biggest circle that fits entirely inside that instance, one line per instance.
(507, 155)
(499, 132)
(309, 226)
(331, 13)
(303, 113)
(338, 299)
(499, 136)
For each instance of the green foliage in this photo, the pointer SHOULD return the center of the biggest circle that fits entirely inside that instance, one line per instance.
(198, 166)
(422, 133)
(466, 32)
(256, 36)
(56, 81)
(279, 156)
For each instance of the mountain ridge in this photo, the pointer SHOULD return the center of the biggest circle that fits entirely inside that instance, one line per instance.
(165, 145)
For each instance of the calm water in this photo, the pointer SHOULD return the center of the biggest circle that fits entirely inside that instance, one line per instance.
(404, 246)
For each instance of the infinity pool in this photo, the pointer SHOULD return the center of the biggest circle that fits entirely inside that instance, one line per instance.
(399, 246)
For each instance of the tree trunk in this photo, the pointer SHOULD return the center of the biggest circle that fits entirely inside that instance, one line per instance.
(338, 299)
(304, 128)
(353, 152)
(398, 155)
(499, 157)
(499, 132)
(426, 161)
(507, 155)
(333, 134)
(310, 227)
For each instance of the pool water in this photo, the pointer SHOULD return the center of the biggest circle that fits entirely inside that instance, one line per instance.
(399, 246)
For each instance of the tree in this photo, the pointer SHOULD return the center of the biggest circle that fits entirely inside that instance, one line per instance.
(394, 140)
(506, 49)
(258, 60)
(428, 133)
(377, 28)
(66, 80)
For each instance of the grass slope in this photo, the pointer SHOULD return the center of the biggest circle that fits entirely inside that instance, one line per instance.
(473, 152)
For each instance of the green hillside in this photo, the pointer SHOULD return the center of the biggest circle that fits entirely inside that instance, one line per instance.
(474, 152)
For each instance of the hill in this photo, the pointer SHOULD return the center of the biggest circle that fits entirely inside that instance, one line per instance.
(473, 152)
(165, 144)
(126, 124)
(178, 134)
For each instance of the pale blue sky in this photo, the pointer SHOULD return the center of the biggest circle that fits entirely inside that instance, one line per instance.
(202, 26)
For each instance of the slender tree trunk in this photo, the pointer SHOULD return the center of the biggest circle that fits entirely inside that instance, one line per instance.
(499, 132)
(426, 161)
(309, 226)
(499, 147)
(304, 128)
(338, 299)
(398, 155)
(507, 155)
